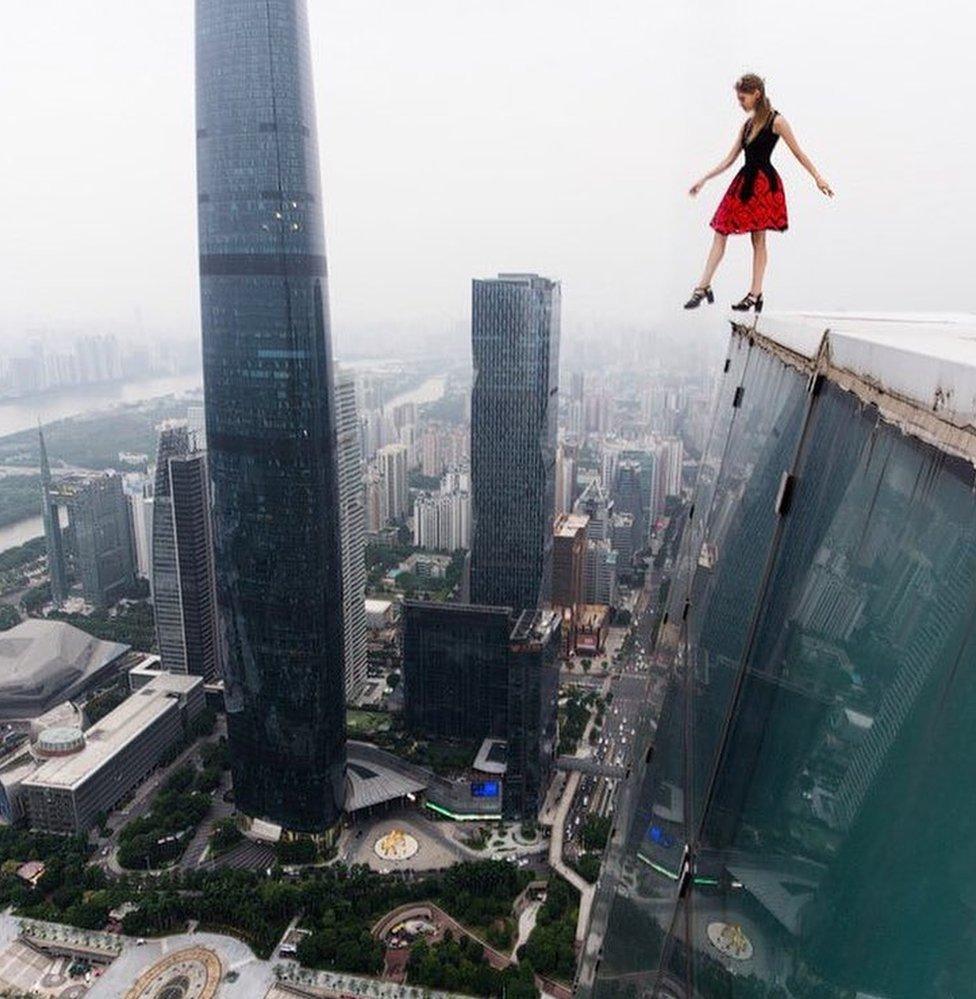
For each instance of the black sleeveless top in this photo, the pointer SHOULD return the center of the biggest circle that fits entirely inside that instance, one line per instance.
(758, 153)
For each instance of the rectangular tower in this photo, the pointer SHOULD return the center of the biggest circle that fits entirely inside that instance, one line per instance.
(102, 528)
(270, 410)
(533, 696)
(392, 460)
(56, 567)
(514, 406)
(184, 585)
(352, 524)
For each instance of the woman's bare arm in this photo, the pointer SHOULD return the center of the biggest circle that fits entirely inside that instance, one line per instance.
(721, 168)
(782, 127)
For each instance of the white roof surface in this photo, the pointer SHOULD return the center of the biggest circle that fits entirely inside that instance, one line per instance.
(43, 660)
(929, 359)
(116, 730)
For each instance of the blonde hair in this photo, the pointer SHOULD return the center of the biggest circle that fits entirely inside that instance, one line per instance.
(749, 83)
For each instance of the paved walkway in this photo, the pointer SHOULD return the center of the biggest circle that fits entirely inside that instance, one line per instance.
(526, 924)
(557, 863)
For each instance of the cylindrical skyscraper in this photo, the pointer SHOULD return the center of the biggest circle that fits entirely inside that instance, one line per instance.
(270, 410)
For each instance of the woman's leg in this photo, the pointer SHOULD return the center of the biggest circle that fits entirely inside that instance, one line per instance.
(714, 258)
(758, 261)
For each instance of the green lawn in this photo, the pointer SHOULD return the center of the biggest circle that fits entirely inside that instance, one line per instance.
(366, 722)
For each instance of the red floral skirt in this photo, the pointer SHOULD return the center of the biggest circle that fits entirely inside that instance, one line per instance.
(766, 209)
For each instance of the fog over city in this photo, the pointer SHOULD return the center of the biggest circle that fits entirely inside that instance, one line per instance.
(459, 139)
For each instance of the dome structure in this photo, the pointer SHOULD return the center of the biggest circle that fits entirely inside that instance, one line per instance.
(61, 741)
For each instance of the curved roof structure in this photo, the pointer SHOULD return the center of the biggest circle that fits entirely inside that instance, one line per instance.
(43, 662)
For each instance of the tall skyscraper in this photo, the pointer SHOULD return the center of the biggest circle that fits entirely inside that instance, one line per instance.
(104, 549)
(569, 560)
(565, 478)
(629, 497)
(184, 586)
(514, 405)
(57, 571)
(392, 461)
(352, 526)
(270, 409)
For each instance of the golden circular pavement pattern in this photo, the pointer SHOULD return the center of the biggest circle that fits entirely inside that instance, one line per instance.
(191, 973)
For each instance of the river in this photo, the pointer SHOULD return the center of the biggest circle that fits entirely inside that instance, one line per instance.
(429, 391)
(16, 534)
(22, 414)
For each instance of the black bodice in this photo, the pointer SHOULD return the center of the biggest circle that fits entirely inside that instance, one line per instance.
(758, 153)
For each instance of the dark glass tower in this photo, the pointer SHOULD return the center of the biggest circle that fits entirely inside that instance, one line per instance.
(515, 349)
(455, 669)
(270, 410)
(101, 524)
(184, 596)
(56, 568)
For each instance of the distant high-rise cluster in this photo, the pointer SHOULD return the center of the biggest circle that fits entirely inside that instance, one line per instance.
(86, 360)
(98, 518)
(442, 520)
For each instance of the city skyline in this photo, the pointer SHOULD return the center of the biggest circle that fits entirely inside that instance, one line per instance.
(393, 679)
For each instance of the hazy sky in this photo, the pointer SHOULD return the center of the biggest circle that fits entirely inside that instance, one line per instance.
(463, 137)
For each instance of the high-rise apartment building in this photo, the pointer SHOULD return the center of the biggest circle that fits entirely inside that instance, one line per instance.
(105, 558)
(183, 582)
(54, 539)
(565, 478)
(377, 510)
(393, 466)
(352, 525)
(270, 409)
(442, 521)
(514, 406)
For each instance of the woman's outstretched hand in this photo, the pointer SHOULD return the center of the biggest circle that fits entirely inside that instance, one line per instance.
(696, 187)
(824, 186)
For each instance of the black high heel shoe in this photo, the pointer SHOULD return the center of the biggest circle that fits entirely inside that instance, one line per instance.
(749, 302)
(699, 295)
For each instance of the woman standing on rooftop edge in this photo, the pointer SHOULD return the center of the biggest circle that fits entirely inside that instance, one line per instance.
(755, 200)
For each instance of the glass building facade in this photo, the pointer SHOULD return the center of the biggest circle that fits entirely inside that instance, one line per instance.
(53, 537)
(514, 406)
(455, 669)
(184, 586)
(270, 410)
(105, 559)
(799, 824)
(533, 696)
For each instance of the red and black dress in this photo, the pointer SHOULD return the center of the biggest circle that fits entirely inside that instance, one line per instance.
(755, 199)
